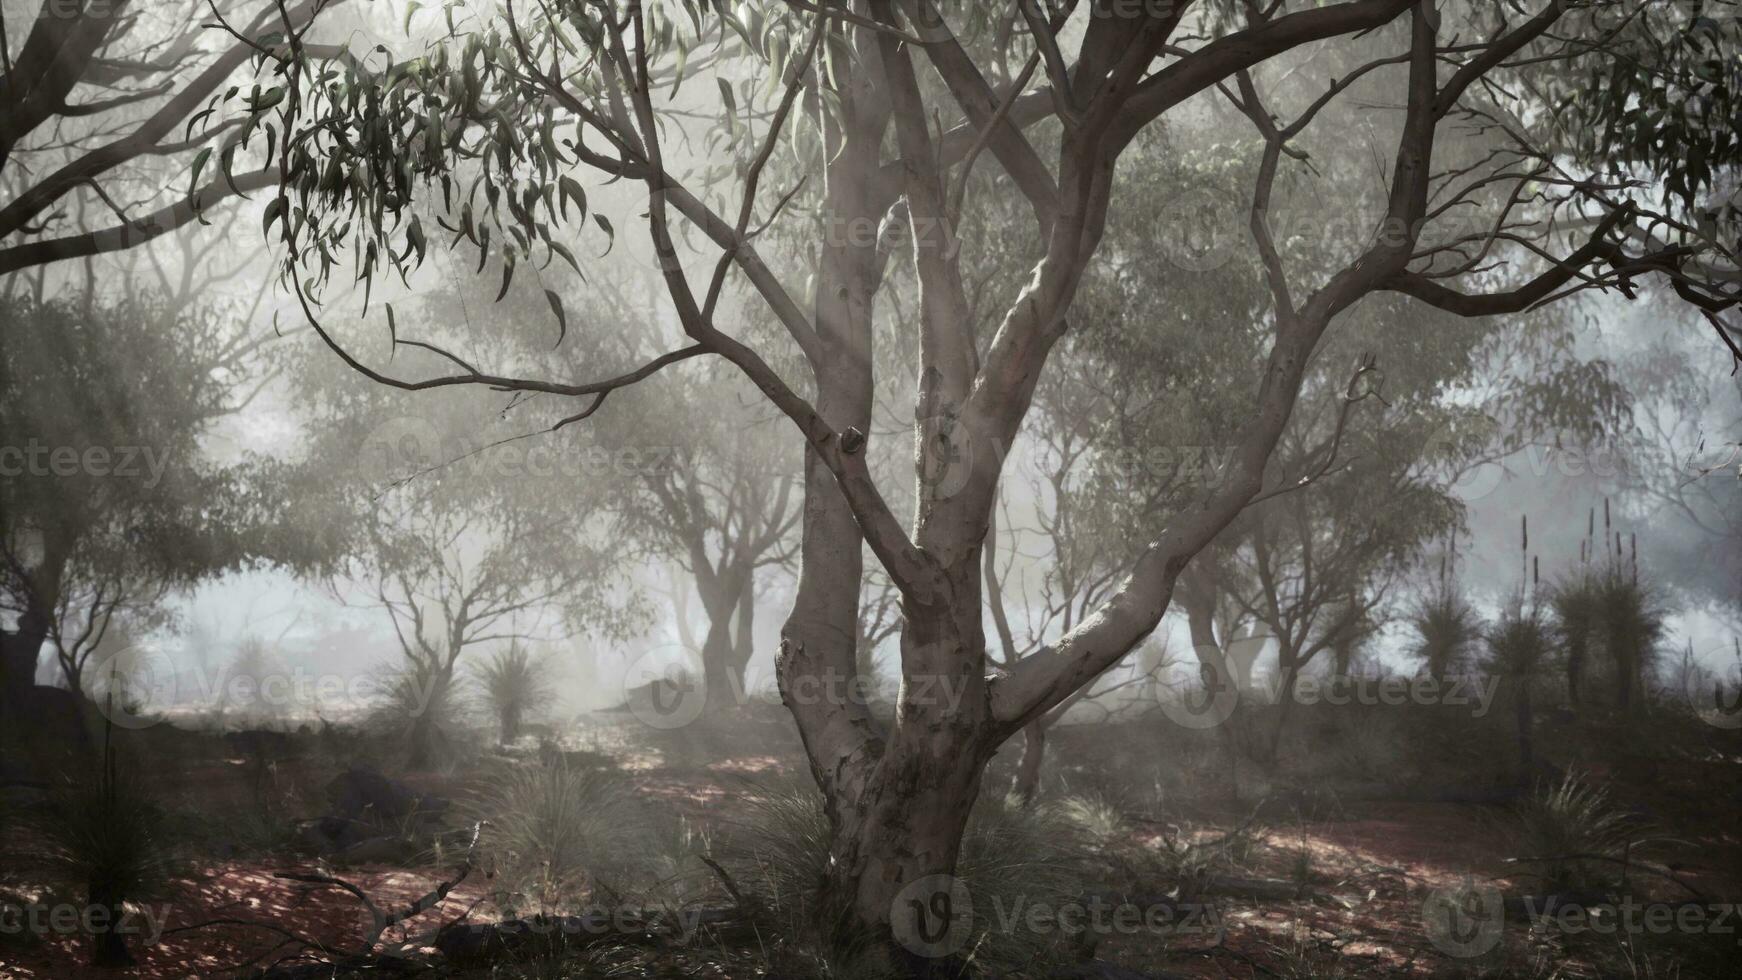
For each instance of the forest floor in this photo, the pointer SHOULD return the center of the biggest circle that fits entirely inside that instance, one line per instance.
(1338, 884)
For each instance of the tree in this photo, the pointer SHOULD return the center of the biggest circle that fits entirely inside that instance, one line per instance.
(1685, 469)
(108, 499)
(460, 567)
(483, 111)
(105, 104)
(467, 537)
(724, 506)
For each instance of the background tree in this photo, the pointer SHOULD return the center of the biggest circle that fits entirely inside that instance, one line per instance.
(110, 497)
(467, 536)
(724, 506)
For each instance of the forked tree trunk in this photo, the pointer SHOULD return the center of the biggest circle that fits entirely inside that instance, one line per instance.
(901, 819)
(898, 800)
(728, 597)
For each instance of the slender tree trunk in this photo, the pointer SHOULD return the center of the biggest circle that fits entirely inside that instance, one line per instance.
(1199, 598)
(424, 733)
(726, 649)
(1525, 718)
(744, 641)
(1289, 675)
(717, 657)
(21, 646)
(19, 651)
(1626, 676)
(1026, 786)
(1578, 648)
(842, 741)
(108, 946)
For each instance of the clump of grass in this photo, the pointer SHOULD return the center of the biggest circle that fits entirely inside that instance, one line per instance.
(1447, 631)
(517, 685)
(560, 835)
(419, 708)
(1097, 818)
(111, 834)
(1574, 826)
(1012, 858)
(1303, 957)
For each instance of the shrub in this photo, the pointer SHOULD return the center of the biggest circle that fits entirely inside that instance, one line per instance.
(1447, 631)
(517, 687)
(111, 834)
(560, 834)
(1570, 818)
(1012, 858)
(417, 708)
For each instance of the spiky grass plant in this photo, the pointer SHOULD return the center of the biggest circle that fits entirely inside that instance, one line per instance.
(517, 685)
(1447, 631)
(560, 835)
(418, 706)
(1520, 647)
(1569, 828)
(1631, 624)
(1577, 602)
(112, 834)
